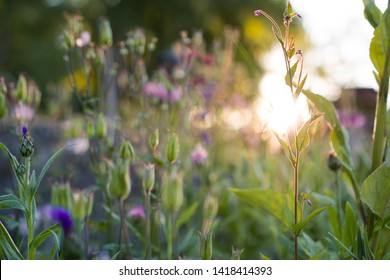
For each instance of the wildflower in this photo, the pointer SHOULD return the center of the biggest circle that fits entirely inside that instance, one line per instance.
(63, 217)
(206, 137)
(258, 12)
(137, 212)
(175, 95)
(23, 113)
(199, 155)
(156, 90)
(84, 39)
(352, 120)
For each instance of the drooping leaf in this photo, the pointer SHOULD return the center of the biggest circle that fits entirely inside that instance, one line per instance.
(270, 201)
(376, 191)
(53, 230)
(298, 227)
(303, 138)
(380, 45)
(10, 201)
(8, 246)
(372, 13)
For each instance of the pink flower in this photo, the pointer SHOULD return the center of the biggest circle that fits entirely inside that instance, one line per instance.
(156, 90)
(175, 95)
(199, 155)
(137, 212)
(257, 13)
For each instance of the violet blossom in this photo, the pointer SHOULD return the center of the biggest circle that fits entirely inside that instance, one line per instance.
(199, 155)
(137, 212)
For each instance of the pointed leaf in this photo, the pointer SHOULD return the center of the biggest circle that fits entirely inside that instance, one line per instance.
(298, 227)
(187, 214)
(341, 244)
(270, 201)
(10, 201)
(351, 226)
(290, 74)
(300, 86)
(286, 149)
(303, 133)
(376, 191)
(46, 167)
(8, 246)
(372, 13)
(14, 163)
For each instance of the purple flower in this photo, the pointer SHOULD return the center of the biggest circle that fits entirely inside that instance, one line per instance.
(24, 130)
(156, 90)
(137, 212)
(206, 137)
(63, 217)
(352, 120)
(257, 12)
(199, 155)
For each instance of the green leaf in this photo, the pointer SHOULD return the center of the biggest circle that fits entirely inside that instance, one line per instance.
(298, 227)
(290, 74)
(286, 149)
(10, 201)
(8, 246)
(341, 244)
(187, 214)
(14, 163)
(45, 168)
(372, 13)
(380, 45)
(303, 138)
(319, 255)
(351, 226)
(40, 238)
(300, 86)
(376, 191)
(334, 221)
(270, 201)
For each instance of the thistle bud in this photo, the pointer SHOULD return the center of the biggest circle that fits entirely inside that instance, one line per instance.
(105, 33)
(119, 183)
(334, 163)
(148, 177)
(101, 126)
(154, 139)
(172, 192)
(79, 207)
(26, 146)
(3, 105)
(21, 88)
(126, 151)
(173, 148)
(206, 245)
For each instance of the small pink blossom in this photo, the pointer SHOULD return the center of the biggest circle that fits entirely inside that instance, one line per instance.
(257, 12)
(175, 95)
(84, 39)
(137, 212)
(199, 155)
(156, 90)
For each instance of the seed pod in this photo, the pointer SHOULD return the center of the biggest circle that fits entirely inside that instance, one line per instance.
(126, 151)
(21, 88)
(148, 177)
(173, 148)
(79, 207)
(105, 33)
(119, 183)
(61, 196)
(206, 245)
(154, 139)
(101, 126)
(210, 207)
(172, 192)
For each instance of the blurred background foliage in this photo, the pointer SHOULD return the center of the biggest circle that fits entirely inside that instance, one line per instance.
(30, 30)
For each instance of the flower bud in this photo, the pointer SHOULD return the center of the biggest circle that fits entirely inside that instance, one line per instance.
(206, 245)
(126, 151)
(148, 177)
(154, 139)
(210, 207)
(172, 192)
(101, 126)
(26, 146)
(78, 209)
(90, 129)
(3, 105)
(21, 88)
(334, 163)
(119, 183)
(105, 33)
(173, 148)
(61, 196)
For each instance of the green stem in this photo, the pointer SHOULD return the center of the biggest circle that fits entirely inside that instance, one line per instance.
(86, 237)
(147, 217)
(296, 235)
(124, 230)
(339, 201)
(170, 238)
(29, 213)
